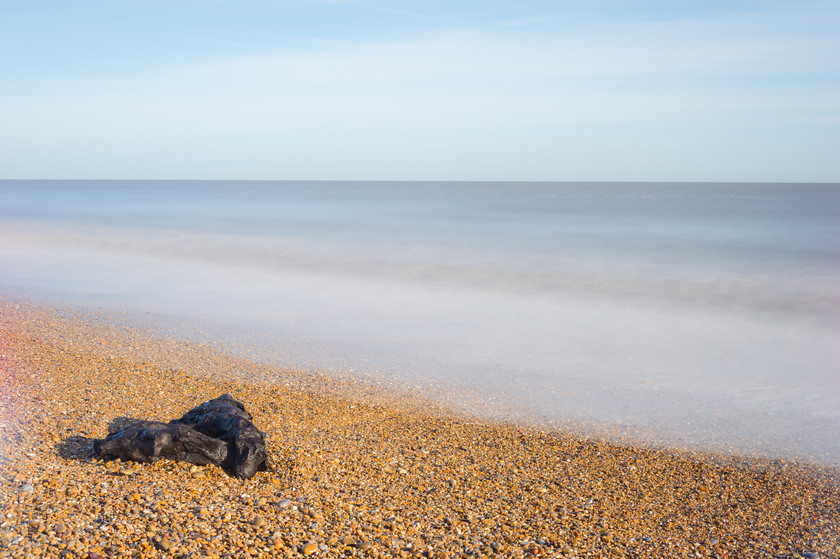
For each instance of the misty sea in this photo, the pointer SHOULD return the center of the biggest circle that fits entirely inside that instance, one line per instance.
(704, 316)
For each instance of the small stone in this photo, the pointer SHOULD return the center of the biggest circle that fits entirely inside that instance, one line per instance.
(26, 488)
(198, 474)
(348, 542)
(127, 471)
(310, 548)
(364, 546)
(258, 522)
(284, 503)
(165, 544)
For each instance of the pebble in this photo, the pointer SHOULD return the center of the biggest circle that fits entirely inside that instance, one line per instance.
(27, 488)
(310, 548)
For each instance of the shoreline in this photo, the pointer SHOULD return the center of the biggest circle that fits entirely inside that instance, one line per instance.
(354, 472)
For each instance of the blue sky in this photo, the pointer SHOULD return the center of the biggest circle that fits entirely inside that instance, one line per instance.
(421, 90)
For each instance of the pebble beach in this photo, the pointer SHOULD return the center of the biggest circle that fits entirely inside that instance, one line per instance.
(355, 470)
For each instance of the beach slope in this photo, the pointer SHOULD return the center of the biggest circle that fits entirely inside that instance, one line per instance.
(353, 471)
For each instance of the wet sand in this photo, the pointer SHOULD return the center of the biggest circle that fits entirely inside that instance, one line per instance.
(356, 470)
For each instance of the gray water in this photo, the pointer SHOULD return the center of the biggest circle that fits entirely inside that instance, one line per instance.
(692, 315)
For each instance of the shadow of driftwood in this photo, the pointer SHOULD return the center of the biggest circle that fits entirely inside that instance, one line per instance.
(75, 448)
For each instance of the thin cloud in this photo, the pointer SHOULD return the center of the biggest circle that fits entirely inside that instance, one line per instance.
(387, 9)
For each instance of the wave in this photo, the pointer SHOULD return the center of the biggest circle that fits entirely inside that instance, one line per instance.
(692, 283)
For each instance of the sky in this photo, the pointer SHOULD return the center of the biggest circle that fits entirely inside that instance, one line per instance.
(513, 90)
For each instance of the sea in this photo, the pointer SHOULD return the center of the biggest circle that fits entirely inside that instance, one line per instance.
(683, 315)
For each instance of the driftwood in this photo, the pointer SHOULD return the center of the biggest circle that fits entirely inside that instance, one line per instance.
(217, 432)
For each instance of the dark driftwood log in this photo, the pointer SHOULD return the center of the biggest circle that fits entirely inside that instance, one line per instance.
(225, 419)
(217, 432)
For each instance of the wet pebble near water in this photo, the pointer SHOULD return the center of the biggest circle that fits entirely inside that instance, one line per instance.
(352, 473)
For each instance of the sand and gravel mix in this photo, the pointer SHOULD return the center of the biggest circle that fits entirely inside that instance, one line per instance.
(353, 472)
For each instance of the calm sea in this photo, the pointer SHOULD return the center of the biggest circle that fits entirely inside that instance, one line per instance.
(697, 315)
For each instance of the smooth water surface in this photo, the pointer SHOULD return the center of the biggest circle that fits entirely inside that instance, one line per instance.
(683, 314)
